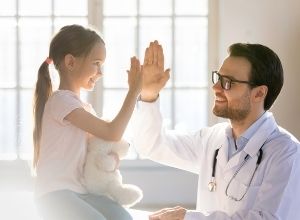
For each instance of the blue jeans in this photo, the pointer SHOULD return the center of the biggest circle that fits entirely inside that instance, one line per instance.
(68, 205)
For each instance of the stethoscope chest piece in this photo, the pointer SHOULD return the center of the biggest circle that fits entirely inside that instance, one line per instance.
(212, 185)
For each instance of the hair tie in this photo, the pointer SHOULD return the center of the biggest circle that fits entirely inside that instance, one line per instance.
(48, 60)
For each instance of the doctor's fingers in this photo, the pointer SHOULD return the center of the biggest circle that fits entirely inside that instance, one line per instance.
(147, 54)
(176, 213)
(148, 59)
(162, 211)
(160, 57)
(156, 215)
(155, 51)
(169, 216)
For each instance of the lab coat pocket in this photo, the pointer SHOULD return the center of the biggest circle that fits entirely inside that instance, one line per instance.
(244, 179)
(237, 190)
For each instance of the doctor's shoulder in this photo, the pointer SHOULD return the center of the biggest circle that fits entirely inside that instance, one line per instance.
(288, 135)
(287, 139)
(283, 144)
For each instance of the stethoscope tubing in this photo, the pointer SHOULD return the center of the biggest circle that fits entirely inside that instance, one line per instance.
(212, 183)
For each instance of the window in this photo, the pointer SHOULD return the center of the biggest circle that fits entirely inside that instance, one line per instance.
(181, 26)
(27, 27)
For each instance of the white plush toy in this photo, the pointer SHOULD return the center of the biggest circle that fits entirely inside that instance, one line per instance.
(101, 178)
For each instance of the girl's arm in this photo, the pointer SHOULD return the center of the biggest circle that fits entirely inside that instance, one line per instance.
(111, 131)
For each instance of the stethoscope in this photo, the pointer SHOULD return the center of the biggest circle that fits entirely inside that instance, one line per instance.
(212, 185)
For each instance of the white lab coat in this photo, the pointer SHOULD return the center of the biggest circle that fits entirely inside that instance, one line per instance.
(274, 192)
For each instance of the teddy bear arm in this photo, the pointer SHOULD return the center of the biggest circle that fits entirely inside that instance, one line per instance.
(121, 149)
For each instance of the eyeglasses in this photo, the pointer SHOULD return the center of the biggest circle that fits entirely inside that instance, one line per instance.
(226, 81)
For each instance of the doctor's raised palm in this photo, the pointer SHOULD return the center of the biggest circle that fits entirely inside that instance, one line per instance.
(154, 75)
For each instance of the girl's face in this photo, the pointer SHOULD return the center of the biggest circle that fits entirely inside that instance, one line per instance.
(88, 69)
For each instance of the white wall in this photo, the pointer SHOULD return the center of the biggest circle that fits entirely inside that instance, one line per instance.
(276, 24)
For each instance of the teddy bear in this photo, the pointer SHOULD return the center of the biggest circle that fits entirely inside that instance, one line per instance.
(100, 175)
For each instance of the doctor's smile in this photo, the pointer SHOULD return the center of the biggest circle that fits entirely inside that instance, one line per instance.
(219, 99)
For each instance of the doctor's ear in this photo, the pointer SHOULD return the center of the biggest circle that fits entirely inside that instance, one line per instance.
(260, 93)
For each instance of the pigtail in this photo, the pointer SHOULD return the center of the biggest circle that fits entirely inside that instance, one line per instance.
(43, 91)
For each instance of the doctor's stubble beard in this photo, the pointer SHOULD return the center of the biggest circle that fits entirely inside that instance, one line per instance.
(236, 112)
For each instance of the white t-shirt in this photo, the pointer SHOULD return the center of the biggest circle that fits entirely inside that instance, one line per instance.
(63, 146)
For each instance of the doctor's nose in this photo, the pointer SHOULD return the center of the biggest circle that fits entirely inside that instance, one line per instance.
(217, 86)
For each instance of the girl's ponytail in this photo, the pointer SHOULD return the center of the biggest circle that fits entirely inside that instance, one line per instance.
(43, 90)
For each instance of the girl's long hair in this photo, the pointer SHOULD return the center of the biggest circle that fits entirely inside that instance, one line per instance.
(71, 39)
(43, 91)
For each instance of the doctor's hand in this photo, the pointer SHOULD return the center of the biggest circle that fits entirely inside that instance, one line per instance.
(154, 75)
(176, 213)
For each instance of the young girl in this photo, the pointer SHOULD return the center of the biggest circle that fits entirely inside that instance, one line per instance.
(63, 124)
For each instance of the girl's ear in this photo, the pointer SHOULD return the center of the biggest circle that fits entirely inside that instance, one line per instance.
(260, 93)
(69, 62)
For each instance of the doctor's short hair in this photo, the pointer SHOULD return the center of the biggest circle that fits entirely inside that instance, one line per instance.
(266, 68)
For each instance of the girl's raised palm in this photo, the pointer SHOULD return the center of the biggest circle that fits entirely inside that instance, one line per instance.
(135, 76)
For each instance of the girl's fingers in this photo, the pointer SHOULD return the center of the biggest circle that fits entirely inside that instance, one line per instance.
(138, 68)
(134, 62)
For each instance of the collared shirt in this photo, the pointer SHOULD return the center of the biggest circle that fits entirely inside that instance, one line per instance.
(235, 146)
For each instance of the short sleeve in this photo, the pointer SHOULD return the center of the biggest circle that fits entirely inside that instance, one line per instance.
(62, 103)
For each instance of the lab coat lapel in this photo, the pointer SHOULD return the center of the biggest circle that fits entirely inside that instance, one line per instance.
(255, 143)
(261, 135)
(222, 158)
(235, 160)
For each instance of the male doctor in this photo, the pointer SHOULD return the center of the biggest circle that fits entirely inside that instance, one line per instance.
(248, 167)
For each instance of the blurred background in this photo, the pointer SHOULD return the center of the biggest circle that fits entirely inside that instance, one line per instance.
(195, 35)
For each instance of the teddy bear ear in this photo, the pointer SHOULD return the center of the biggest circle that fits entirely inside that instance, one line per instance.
(125, 143)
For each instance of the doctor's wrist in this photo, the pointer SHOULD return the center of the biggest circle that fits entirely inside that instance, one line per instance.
(148, 97)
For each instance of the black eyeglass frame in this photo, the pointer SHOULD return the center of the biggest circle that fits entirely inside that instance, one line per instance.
(226, 85)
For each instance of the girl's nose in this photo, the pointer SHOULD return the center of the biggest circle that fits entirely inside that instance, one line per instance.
(99, 71)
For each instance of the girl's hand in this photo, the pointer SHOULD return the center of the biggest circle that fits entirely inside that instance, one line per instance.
(155, 77)
(135, 76)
